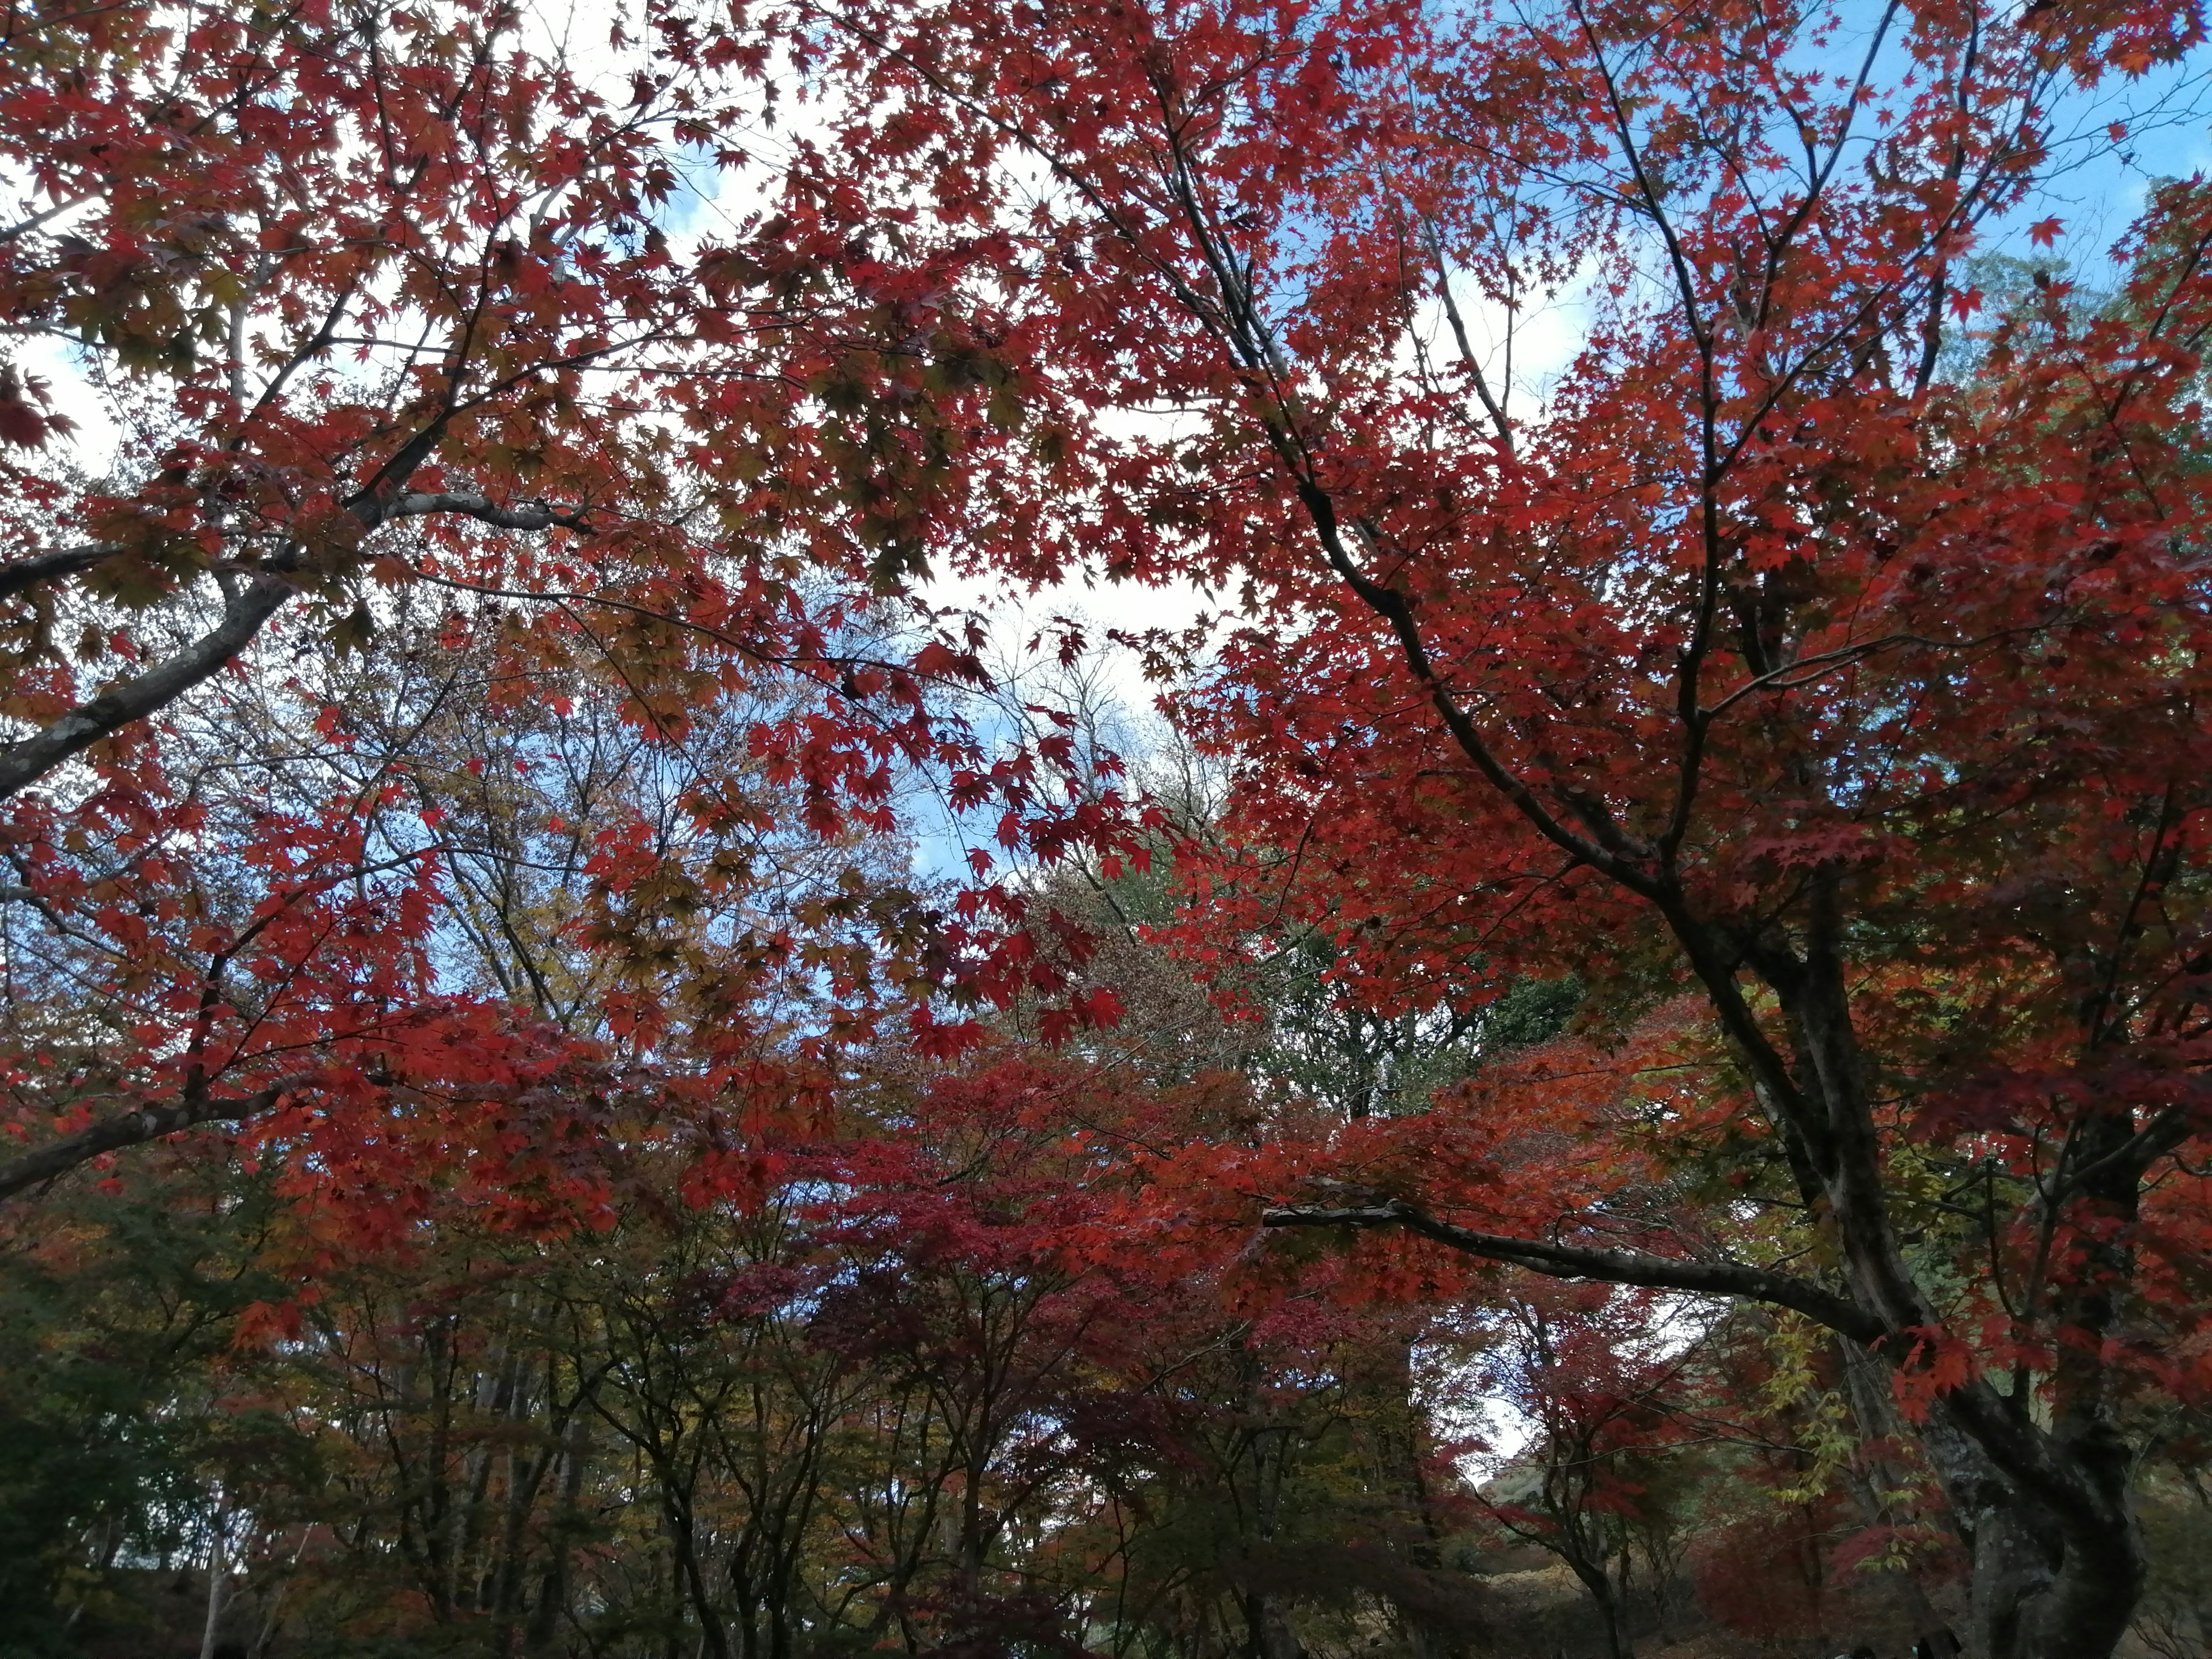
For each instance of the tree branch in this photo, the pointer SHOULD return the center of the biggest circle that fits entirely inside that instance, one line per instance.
(150, 1121)
(21, 573)
(1736, 1280)
(525, 515)
(25, 762)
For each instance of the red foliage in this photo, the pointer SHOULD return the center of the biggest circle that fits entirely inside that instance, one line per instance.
(1824, 650)
(1766, 1575)
(402, 303)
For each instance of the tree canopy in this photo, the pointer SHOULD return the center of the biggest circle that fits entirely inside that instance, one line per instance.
(1680, 900)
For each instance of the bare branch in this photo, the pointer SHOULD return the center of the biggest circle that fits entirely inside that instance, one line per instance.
(244, 611)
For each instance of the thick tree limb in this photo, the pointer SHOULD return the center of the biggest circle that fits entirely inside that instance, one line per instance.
(25, 762)
(143, 1123)
(244, 611)
(523, 515)
(21, 573)
(2170, 1129)
(1733, 1279)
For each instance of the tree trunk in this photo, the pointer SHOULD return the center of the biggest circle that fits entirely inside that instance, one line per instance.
(1611, 1616)
(1384, 1388)
(1269, 1633)
(714, 1638)
(2058, 1561)
(2048, 1582)
(1877, 1478)
(539, 1635)
(218, 1582)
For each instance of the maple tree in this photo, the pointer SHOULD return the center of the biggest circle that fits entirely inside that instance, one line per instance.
(1811, 676)
(922, 1384)
(1578, 1366)
(1720, 1454)
(401, 330)
(1834, 711)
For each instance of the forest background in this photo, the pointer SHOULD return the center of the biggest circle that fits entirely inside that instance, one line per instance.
(620, 1038)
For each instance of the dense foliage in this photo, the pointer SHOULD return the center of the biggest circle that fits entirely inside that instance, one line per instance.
(589, 1075)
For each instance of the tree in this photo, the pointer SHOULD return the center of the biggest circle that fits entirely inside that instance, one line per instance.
(117, 1439)
(1825, 700)
(1839, 720)
(402, 326)
(1584, 1366)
